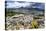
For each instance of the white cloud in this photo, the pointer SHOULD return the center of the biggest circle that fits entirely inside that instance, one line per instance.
(17, 0)
(17, 5)
(26, 4)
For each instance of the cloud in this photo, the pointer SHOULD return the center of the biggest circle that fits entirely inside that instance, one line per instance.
(39, 5)
(17, 5)
(17, 0)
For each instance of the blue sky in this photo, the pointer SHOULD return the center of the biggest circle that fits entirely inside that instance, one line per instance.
(26, 4)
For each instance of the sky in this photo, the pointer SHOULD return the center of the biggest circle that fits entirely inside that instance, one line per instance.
(16, 4)
(19, 0)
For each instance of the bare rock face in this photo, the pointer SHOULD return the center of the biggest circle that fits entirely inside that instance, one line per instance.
(21, 17)
(12, 21)
(22, 21)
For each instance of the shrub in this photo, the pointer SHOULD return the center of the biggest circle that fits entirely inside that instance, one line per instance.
(34, 24)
